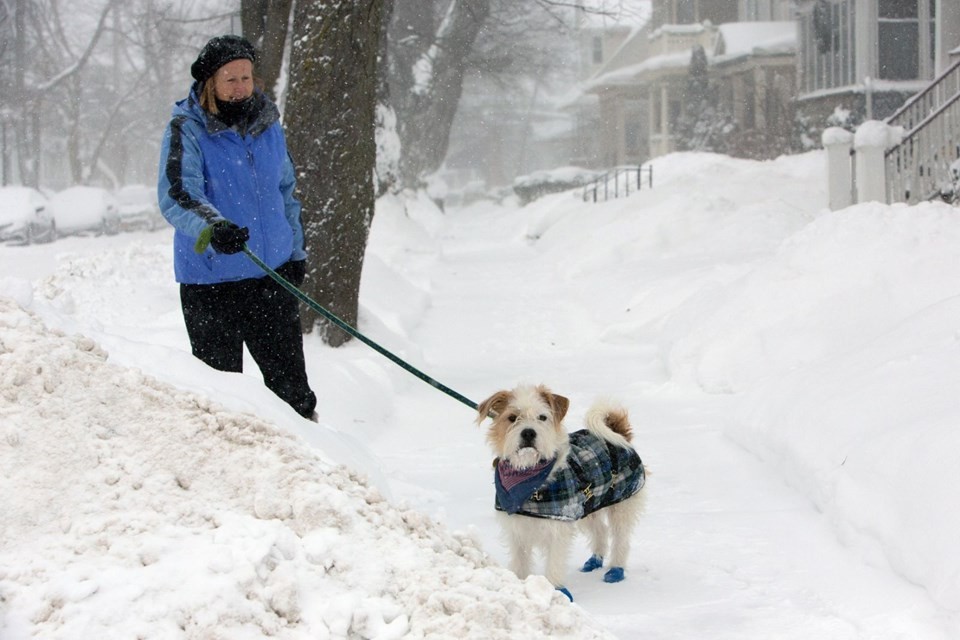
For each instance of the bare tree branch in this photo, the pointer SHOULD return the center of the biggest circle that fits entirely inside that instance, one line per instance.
(82, 60)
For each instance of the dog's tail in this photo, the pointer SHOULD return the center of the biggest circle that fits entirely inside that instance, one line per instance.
(609, 420)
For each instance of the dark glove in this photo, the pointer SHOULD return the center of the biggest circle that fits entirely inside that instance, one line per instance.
(228, 238)
(293, 271)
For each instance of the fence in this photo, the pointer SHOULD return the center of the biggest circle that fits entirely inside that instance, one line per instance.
(920, 166)
(920, 106)
(617, 183)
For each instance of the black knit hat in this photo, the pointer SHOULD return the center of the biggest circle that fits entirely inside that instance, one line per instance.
(218, 52)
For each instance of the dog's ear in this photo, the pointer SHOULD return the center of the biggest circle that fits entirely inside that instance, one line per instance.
(558, 404)
(493, 406)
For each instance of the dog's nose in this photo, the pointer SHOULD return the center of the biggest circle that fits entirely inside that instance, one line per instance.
(527, 436)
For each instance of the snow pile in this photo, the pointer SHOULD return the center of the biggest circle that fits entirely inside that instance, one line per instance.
(846, 279)
(134, 509)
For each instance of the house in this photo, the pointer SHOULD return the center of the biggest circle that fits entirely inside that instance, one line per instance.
(890, 60)
(868, 56)
(755, 67)
(603, 40)
(641, 89)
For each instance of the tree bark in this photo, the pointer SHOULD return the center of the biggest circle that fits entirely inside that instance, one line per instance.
(330, 121)
(265, 24)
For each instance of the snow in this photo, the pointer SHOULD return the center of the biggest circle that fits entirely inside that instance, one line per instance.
(836, 136)
(568, 174)
(877, 134)
(790, 373)
(628, 73)
(758, 38)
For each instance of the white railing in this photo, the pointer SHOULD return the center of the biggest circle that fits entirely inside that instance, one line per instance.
(922, 105)
(919, 168)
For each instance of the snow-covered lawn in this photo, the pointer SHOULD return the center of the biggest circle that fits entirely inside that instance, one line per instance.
(791, 375)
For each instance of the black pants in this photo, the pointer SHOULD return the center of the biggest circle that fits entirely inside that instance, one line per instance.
(220, 318)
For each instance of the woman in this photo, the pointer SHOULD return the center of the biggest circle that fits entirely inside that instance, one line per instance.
(224, 166)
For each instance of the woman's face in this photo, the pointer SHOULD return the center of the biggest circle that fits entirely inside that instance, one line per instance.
(234, 81)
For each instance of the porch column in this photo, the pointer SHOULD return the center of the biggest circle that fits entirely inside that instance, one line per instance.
(664, 119)
(838, 142)
(872, 138)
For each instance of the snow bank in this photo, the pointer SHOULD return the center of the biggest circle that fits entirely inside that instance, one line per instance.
(134, 509)
(844, 344)
(845, 279)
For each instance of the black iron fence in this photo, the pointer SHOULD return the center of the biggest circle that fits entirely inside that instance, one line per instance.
(618, 182)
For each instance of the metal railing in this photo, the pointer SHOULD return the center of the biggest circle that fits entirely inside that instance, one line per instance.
(919, 168)
(920, 106)
(617, 183)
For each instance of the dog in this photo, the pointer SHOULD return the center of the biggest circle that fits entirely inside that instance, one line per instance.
(550, 482)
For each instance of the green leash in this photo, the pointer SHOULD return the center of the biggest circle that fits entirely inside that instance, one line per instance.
(300, 295)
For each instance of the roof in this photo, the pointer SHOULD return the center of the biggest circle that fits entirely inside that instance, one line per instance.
(627, 75)
(736, 40)
(741, 39)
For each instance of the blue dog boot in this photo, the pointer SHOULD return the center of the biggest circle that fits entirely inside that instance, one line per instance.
(614, 575)
(594, 563)
(565, 592)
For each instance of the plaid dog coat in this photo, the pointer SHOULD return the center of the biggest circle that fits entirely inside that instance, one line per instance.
(598, 474)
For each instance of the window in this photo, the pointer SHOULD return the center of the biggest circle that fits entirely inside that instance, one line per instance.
(749, 102)
(675, 107)
(597, 50)
(898, 34)
(759, 10)
(828, 57)
(631, 137)
(906, 33)
(686, 11)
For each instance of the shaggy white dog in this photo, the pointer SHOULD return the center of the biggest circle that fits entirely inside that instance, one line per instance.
(550, 481)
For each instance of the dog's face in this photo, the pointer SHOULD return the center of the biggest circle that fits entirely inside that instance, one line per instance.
(527, 427)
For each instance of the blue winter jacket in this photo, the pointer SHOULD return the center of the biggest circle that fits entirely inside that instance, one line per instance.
(210, 173)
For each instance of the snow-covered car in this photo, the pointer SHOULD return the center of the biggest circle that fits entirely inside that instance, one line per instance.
(85, 210)
(139, 208)
(25, 216)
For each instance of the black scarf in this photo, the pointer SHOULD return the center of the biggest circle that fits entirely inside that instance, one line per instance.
(239, 113)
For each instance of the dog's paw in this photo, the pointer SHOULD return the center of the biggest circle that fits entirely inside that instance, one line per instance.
(565, 592)
(614, 575)
(594, 563)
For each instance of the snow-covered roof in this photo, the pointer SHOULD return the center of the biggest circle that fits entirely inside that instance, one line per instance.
(735, 40)
(626, 75)
(739, 39)
(574, 98)
(678, 29)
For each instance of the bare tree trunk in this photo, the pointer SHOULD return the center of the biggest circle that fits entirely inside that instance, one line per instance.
(26, 164)
(7, 98)
(264, 23)
(330, 120)
(430, 73)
